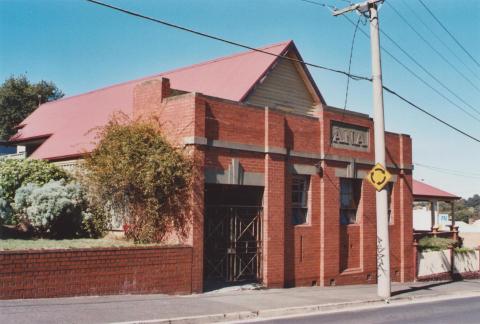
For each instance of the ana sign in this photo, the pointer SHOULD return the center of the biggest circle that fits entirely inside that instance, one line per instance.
(350, 137)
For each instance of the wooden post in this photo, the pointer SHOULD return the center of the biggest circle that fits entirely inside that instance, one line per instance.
(432, 216)
(452, 203)
(452, 227)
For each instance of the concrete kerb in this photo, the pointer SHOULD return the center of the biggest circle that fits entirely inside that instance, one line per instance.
(303, 310)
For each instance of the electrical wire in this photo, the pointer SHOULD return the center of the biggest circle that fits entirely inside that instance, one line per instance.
(449, 171)
(429, 114)
(350, 62)
(415, 74)
(163, 22)
(449, 33)
(431, 46)
(429, 73)
(440, 39)
(331, 8)
(354, 77)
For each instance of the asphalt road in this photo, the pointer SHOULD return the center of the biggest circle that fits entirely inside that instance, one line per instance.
(457, 311)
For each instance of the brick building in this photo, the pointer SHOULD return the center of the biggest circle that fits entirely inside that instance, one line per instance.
(280, 198)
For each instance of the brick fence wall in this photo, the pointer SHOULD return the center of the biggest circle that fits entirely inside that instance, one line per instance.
(76, 272)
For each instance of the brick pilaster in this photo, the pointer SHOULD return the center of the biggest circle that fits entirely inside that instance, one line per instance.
(406, 212)
(274, 202)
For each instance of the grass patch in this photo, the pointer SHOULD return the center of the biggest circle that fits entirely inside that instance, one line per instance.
(430, 243)
(38, 244)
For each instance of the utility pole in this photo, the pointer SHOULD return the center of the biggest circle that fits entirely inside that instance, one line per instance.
(383, 245)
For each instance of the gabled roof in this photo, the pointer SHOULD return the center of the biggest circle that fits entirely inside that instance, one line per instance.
(68, 124)
(422, 190)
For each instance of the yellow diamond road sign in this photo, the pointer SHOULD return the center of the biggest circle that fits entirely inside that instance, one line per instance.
(379, 176)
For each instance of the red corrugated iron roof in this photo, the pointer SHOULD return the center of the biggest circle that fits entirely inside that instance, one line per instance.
(423, 190)
(69, 123)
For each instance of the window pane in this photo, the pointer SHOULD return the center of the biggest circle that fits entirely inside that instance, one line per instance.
(299, 216)
(352, 216)
(350, 193)
(389, 195)
(300, 185)
(344, 217)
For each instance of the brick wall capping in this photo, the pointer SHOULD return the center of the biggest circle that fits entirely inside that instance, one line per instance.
(347, 112)
(94, 249)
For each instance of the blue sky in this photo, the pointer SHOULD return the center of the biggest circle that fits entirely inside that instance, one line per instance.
(81, 46)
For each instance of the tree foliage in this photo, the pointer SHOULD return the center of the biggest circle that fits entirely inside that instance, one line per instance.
(19, 98)
(17, 173)
(145, 180)
(465, 209)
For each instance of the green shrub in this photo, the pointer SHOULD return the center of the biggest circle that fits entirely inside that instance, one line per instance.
(462, 250)
(142, 178)
(16, 173)
(56, 209)
(430, 243)
(97, 219)
(6, 212)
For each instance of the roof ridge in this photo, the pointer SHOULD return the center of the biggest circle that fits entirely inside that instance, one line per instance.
(222, 58)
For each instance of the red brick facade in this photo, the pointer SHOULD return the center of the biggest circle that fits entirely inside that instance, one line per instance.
(269, 142)
(59, 273)
(271, 146)
(247, 159)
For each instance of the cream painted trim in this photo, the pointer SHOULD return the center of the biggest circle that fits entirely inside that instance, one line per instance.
(223, 177)
(303, 169)
(360, 174)
(198, 140)
(306, 155)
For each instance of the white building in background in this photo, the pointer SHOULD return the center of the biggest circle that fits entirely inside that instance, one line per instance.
(422, 220)
(427, 219)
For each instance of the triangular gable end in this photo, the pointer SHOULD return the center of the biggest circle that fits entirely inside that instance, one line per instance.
(287, 85)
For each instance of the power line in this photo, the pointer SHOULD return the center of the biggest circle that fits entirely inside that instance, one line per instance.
(449, 33)
(354, 77)
(163, 22)
(431, 46)
(429, 114)
(350, 61)
(440, 39)
(399, 62)
(428, 72)
(415, 74)
(449, 171)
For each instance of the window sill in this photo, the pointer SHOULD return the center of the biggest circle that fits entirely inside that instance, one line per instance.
(351, 271)
(302, 225)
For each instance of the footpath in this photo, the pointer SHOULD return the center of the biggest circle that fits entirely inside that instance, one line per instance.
(228, 304)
